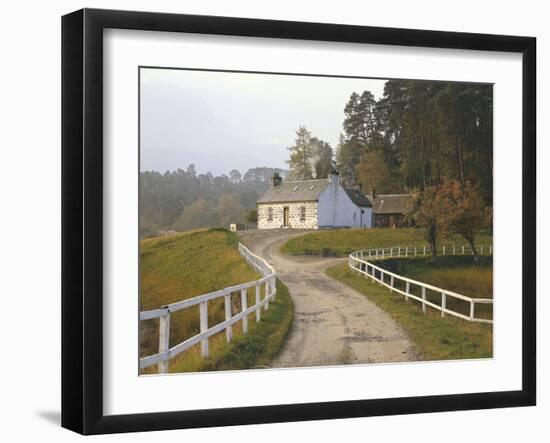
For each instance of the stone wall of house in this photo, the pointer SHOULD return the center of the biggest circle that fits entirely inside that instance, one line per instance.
(296, 220)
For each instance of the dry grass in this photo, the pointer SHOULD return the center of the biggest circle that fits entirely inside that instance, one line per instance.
(185, 265)
(459, 274)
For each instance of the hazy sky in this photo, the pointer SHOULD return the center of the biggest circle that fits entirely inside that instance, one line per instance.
(220, 121)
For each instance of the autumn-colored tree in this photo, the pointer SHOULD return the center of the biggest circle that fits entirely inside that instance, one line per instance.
(467, 215)
(451, 208)
(229, 210)
(373, 173)
(432, 214)
(200, 214)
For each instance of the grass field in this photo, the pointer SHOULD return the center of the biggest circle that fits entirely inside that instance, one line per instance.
(189, 264)
(341, 242)
(253, 350)
(435, 338)
(459, 274)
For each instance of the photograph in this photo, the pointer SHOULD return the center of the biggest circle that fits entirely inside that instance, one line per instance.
(292, 220)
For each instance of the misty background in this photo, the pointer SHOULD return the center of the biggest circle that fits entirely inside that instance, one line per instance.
(221, 121)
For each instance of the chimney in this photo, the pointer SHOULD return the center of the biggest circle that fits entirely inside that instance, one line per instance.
(276, 180)
(373, 193)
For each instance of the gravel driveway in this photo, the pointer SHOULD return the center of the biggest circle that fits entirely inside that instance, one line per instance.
(333, 324)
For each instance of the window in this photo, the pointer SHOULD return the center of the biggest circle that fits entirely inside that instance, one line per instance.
(270, 214)
(302, 213)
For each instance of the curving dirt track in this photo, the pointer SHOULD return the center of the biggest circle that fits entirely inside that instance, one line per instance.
(333, 324)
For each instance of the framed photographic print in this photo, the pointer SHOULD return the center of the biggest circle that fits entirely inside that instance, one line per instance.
(269, 221)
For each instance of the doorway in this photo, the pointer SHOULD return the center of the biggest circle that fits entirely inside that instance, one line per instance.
(285, 217)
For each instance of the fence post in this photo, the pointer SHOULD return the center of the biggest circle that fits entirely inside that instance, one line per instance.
(391, 252)
(406, 251)
(454, 249)
(164, 340)
(399, 251)
(274, 287)
(443, 249)
(228, 329)
(472, 305)
(490, 249)
(424, 250)
(407, 290)
(369, 253)
(203, 310)
(244, 306)
(266, 306)
(462, 249)
(382, 276)
(423, 299)
(415, 250)
(391, 283)
(443, 303)
(258, 311)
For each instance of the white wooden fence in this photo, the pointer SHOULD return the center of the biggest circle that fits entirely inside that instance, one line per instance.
(163, 314)
(359, 261)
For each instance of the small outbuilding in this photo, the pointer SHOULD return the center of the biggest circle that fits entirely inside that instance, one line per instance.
(391, 210)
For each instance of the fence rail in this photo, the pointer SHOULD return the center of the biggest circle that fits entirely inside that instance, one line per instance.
(389, 279)
(166, 352)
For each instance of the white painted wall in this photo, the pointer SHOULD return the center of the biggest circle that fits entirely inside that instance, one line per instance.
(336, 209)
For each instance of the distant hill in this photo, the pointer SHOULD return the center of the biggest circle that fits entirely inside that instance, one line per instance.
(165, 196)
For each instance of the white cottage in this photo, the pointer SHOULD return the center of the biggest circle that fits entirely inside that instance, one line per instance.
(313, 204)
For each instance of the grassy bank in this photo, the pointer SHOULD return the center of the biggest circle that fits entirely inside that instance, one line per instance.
(435, 338)
(341, 242)
(253, 350)
(186, 265)
(459, 274)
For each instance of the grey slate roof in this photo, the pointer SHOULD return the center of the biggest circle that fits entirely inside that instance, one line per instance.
(393, 203)
(295, 191)
(307, 190)
(358, 197)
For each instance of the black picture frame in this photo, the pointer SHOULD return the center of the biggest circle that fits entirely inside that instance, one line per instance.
(82, 219)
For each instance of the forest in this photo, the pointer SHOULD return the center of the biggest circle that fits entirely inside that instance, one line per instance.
(418, 135)
(184, 199)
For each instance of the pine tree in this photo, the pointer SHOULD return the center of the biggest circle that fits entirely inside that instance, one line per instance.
(301, 155)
